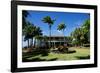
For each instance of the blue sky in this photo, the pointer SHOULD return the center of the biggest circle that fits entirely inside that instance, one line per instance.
(72, 21)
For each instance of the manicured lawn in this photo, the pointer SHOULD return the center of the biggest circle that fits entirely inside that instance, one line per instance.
(80, 53)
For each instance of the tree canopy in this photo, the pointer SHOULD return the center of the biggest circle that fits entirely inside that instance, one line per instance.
(24, 16)
(61, 26)
(81, 35)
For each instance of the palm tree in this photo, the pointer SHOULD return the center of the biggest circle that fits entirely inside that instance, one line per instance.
(37, 34)
(50, 22)
(86, 29)
(61, 27)
(31, 31)
(37, 42)
(82, 34)
(28, 32)
(79, 35)
(24, 16)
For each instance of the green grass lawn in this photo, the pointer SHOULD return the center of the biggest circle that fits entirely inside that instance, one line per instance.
(80, 53)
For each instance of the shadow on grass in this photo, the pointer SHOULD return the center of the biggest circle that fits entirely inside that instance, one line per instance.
(35, 53)
(69, 52)
(83, 57)
(37, 60)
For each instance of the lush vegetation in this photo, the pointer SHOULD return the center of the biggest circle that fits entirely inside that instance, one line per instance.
(77, 44)
(81, 35)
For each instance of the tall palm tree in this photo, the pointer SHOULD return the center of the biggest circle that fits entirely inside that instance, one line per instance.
(61, 27)
(50, 22)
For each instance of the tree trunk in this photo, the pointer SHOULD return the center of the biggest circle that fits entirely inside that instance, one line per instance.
(28, 42)
(34, 42)
(50, 36)
(31, 43)
(28, 49)
(64, 36)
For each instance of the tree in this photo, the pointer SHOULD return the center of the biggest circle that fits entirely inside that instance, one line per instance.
(86, 29)
(28, 32)
(37, 34)
(31, 31)
(69, 39)
(50, 22)
(77, 36)
(82, 35)
(61, 27)
(24, 16)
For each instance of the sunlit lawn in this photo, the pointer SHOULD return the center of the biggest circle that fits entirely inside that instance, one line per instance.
(80, 53)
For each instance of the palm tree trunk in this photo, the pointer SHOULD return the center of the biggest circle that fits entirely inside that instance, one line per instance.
(28, 42)
(34, 42)
(64, 36)
(50, 36)
(31, 42)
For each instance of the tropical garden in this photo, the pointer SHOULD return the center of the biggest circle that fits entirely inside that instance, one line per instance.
(76, 47)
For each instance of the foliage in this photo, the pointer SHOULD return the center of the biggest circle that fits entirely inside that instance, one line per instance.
(69, 39)
(61, 26)
(50, 22)
(24, 16)
(86, 30)
(31, 31)
(82, 35)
